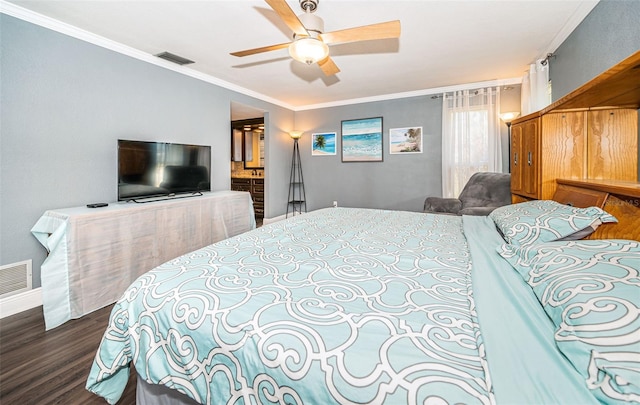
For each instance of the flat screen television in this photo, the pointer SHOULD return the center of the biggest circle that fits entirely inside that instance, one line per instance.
(160, 169)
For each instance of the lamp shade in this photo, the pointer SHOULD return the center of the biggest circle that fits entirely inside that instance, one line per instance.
(296, 134)
(308, 50)
(507, 117)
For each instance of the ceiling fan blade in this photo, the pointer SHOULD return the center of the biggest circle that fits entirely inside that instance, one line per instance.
(390, 29)
(260, 50)
(288, 16)
(328, 66)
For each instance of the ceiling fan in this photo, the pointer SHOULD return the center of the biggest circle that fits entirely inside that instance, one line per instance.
(310, 44)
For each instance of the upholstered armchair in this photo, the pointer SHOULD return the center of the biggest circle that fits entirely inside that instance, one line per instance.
(483, 193)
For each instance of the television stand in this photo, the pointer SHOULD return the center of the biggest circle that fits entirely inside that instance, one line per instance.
(164, 198)
(94, 255)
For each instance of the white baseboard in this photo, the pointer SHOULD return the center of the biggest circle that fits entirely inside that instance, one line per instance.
(20, 302)
(266, 221)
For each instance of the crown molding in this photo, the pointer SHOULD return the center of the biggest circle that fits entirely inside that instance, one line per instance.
(582, 10)
(83, 35)
(416, 93)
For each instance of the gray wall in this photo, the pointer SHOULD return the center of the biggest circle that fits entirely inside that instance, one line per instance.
(65, 102)
(399, 182)
(609, 34)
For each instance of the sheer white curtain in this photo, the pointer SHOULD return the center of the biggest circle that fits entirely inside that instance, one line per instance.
(535, 94)
(470, 137)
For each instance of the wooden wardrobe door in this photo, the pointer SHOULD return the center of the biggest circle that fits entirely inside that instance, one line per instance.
(531, 158)
(563, 148)
(516, 158)
(613, 144)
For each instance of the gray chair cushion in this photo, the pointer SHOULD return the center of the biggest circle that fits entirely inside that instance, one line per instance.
(442, 205)
(484, 192)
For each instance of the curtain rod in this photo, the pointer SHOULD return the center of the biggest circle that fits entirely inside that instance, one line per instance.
(544, 61)
(475, 93)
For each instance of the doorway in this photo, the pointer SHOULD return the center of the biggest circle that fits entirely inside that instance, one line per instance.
(248, 155)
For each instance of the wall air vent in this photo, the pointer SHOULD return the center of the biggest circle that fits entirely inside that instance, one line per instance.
(15, 278)
(174, 58)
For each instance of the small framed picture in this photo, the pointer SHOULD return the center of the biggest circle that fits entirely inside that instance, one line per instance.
(405, 140)
(323, 144)
(362, 140)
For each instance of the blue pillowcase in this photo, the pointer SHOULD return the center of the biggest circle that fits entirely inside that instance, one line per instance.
(546, 220)
(591, 292)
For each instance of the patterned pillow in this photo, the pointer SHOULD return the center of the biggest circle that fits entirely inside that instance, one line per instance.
(591, 292)
(545, 221)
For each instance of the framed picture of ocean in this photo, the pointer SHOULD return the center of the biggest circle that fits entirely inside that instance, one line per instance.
(323, 144)
(362, 140)
(405, 140)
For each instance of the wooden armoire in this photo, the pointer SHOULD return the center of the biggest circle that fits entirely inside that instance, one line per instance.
(590, 134)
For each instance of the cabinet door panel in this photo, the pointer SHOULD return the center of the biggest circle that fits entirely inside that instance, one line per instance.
(524, 157)
(530, 158)
(516, 158)
(564, 144)
(563, 149)
(613, 144)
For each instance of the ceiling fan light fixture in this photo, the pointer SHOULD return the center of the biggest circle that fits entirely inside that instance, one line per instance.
(308, 50)
(311, 44)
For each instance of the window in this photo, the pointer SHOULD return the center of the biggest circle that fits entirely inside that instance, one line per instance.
(470, 137)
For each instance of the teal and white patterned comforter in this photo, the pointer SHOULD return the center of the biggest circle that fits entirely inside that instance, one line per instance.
(339, 306)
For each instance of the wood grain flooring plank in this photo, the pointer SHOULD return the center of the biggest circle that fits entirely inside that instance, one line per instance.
(51, 367)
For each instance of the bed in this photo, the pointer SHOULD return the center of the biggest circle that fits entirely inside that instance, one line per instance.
(353, 306)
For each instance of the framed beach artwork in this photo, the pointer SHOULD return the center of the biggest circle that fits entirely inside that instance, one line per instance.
(405, 140)
(323, 144)
(362, 140)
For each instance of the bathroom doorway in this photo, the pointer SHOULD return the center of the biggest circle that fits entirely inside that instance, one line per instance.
(248, 155)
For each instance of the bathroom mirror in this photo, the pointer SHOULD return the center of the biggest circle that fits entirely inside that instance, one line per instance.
(251, 134)
(253, 150)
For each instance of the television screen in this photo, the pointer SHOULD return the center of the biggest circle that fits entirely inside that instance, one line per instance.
(154, 169)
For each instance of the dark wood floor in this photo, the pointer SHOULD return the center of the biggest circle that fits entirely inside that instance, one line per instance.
(38, 367)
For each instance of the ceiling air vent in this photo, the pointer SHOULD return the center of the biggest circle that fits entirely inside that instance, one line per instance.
(174, 58)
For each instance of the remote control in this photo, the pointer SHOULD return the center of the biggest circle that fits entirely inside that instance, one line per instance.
(97, 205)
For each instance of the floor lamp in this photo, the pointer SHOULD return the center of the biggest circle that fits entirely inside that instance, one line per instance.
(296, 200)
(507, 118)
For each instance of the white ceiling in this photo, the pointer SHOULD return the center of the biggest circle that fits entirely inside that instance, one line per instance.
(442, 44)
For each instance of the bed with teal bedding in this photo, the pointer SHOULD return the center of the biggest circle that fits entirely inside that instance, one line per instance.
(341, 306)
